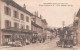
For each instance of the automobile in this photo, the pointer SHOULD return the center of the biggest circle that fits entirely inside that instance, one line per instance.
(65, 43)
(17, 44)
(66, 39)
(10, 43)
(27, 42)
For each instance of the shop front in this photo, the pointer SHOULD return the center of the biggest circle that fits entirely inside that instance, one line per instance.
(10, 36)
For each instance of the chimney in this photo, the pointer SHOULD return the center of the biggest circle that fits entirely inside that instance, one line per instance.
(37, 14)
(24, 6)
(41, 16)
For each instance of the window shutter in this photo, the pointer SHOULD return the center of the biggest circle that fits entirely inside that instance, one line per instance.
(9, 24)
(9, 11)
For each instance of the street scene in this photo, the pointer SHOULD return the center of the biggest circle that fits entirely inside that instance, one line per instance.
(39, 27)
(40, 46)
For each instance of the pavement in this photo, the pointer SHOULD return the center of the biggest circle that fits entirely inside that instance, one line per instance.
(4, 47)
(48, 45)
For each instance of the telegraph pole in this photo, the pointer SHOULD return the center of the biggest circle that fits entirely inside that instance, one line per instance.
(63, 24)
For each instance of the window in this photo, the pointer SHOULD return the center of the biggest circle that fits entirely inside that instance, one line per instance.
(7, 24)
(16, 25)
(22, 26)
(27, 27)
(15, 14)
(22, 17)
(27, 18)
(7, 11)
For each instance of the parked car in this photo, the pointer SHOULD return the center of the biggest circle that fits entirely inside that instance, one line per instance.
(15, 44)
(65, 43)
(10, 43)
(66, 39)
(27, 42)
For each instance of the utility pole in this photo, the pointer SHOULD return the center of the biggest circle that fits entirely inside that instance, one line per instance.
(63, 24)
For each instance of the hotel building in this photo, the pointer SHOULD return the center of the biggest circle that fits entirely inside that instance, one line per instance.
(15, 22)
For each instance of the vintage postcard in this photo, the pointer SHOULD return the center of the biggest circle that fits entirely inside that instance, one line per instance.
(39, 25)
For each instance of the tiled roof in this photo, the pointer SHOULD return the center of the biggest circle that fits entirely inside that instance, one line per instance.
(78, 14)
(14, 4)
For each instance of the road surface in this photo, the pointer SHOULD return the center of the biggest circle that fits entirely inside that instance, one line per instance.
(48, 45)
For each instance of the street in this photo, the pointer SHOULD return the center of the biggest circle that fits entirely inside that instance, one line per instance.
(48, 45)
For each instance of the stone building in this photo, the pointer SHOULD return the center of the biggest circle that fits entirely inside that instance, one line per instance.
(50, 33)
(15, 21)
(39, 26)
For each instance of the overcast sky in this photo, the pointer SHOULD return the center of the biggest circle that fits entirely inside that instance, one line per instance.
(53, 14)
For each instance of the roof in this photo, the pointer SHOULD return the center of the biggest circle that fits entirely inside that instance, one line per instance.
(44, 21)
(14, 4)
(78, 14)
(33, 23)
(49, 29)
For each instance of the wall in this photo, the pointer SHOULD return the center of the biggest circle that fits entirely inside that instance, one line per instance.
(0, 26)
(38, 21)
(12, 19)
(79, 31)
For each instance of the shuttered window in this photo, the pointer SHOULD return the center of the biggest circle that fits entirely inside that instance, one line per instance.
(16, 14)
(7, 24)
(16, 25)
(7, 11)
(27, 18)
(22, 17)
(27, 27)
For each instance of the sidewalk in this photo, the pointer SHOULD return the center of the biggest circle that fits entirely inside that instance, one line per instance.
(4, 47)
(76, 47)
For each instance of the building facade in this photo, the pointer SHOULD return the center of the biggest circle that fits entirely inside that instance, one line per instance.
(15, 21)
(39, 26)
(50, 33)
(78, 28)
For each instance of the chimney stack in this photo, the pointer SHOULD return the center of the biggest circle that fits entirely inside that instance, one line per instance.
(37, 14)
(40, 16)
(24, 6)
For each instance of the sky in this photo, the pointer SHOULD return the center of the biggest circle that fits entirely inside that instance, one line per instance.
(54, 15)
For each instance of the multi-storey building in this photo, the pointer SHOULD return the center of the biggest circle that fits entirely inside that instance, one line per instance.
(39, 25)
(78, 28)
(50, 33)
(44, 23)
(15, 21)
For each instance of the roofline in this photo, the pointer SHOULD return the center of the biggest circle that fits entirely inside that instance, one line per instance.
(21, 8)
(77, 15)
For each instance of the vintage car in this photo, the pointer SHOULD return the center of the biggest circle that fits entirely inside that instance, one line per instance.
(65, 43)
(15, 44)
(66, 39)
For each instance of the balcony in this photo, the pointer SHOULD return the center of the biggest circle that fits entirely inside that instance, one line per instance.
(16, 30)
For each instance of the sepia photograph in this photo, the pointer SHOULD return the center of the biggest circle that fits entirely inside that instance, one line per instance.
(39, 25)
